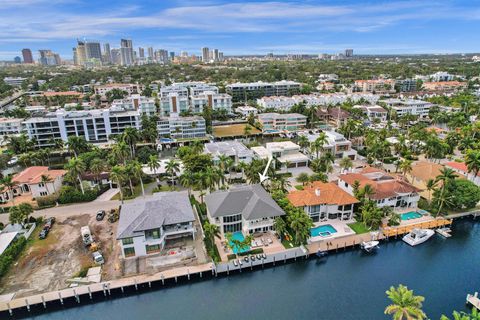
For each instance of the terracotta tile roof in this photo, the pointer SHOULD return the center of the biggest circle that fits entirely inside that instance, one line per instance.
(330, 193)
(424, 170)
(34, 174)
(461, 166)
(384, 185)
(61, 93)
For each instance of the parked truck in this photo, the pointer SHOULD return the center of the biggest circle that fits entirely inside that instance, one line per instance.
(86, 236)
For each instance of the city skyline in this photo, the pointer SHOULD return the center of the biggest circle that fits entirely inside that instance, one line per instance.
(254, 27)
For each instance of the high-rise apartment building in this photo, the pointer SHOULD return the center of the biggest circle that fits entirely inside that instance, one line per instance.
(348, 53)
(205, 53)
(141, 52)
(49, 58)
(80, 53)
(216, 56)
(116, 56)
(107, 55)
(126, 52)
(150, 53)
(27, 55)
(93, 50)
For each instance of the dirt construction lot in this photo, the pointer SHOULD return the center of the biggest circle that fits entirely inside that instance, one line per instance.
(46, 264)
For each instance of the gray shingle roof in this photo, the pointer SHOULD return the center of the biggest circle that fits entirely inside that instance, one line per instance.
(163, 208)
(252, 201)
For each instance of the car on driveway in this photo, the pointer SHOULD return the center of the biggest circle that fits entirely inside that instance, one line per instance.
(100, 215)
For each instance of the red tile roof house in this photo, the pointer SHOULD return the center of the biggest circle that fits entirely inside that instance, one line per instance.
(29, 182)
(389, 190)
(461, 167)
(322, 201)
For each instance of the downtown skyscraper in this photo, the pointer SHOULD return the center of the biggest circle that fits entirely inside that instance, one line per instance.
(126, 52)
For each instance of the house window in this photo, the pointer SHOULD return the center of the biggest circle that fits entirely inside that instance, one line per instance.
(234, 218)
(129, 252)
(41, 185)
(127, 241)
(153, 248)
(43, 193)
(155, 234)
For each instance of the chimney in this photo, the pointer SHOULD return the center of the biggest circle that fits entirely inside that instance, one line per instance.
(317, 192)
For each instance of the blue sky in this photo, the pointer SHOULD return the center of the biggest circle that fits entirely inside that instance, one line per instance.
(244, 27)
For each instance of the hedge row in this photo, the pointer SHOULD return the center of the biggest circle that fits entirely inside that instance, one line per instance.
(10, 254)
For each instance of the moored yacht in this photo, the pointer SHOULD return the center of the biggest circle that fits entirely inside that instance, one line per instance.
(369, 246)
(417, 236)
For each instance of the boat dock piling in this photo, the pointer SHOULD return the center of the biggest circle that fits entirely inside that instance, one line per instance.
(473, 300)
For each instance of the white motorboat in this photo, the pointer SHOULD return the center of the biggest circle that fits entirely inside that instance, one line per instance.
(369, 246)
(444, 232)
(417, 236)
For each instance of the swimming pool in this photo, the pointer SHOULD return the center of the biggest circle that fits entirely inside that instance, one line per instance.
(323, 231)
(410, 215)
(239, 236)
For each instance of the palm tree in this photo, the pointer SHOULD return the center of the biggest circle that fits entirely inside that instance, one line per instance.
(406, 167)
(472, 160)
(405, 305)
(121, 150)
(280, 226)
(346, 163)
(136, 169)
(211, 231)
(287, 165)
(187, 179)
(76, 168)
(367, 191)
(76, 145)
(171, 168)
(154, 164)
(9, 183)
(317, 145)
(431, 184)
(301, 224)
(131, 136)
(97, 166)
(445, 177)
(303, 178)
(45, 179)
(303, 142)
(117, 174)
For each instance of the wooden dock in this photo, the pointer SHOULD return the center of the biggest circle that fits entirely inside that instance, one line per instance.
(473, 300)
(432, 224)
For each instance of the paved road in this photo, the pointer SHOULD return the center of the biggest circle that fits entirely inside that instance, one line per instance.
(71, 210)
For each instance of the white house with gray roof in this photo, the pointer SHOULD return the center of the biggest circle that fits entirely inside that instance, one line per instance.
(147, 224)
(249, 209)
(236, 150)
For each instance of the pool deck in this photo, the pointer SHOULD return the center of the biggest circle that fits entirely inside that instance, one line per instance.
(343, 230)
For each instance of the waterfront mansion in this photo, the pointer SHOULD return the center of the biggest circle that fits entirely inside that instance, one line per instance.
(249, 209)
(389, 190)
(147, 224)
(323, 201)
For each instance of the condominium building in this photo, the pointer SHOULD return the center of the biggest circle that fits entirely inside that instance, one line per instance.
(126, 52)
(14, 81)
(272, 122)
(174, 103)
(49, 58)
(10, 126)
(127, 87)
(95, 126)
(441, 76)
(143, 104)
(445, 86)
(254, 90)
(401, 107)
(185, 128)
(215, 101)
(373, 112)
(27, 55)
(406, 85)
(376, 86)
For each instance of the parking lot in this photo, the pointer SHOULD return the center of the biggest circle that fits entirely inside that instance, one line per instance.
(46, 264)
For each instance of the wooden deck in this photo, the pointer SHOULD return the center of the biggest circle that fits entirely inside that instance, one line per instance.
(437, 223)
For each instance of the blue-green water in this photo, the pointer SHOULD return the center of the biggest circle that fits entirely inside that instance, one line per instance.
(410, 215)
(239, 236)
(348, 285)
(323, 231)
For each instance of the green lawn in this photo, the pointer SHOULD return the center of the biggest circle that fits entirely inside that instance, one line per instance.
(299, 187)
(358, 227)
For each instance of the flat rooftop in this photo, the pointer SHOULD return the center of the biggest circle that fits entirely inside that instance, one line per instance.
(233, 130)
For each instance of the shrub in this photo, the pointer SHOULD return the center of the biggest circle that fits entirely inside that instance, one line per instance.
(254, 251)
(47, 201)
(10, 254)
(69, 194)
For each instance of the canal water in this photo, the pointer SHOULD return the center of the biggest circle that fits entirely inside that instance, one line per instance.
(347, 285)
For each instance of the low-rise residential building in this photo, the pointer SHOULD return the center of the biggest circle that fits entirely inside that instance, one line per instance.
(441, 76)
(147, 225)
(235, 150)
(332, 116)
(127, 87)
(285, 152)
(144, 105)
(248, 209)
(11, 126)
(336, 144)
(276, 122)
(388, 190)
(30, 182)
(184, 128)
(373, 112)
(406, 85)
(402, 107)
(14, 81)
(174, 104)
(461, 168)
(445, 86)
(376, 86)
(254, 90)
(323, 201)
(246, 111)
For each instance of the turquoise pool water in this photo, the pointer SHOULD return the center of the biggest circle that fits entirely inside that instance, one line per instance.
(410, 215)
(323, 231)
(239, 236)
